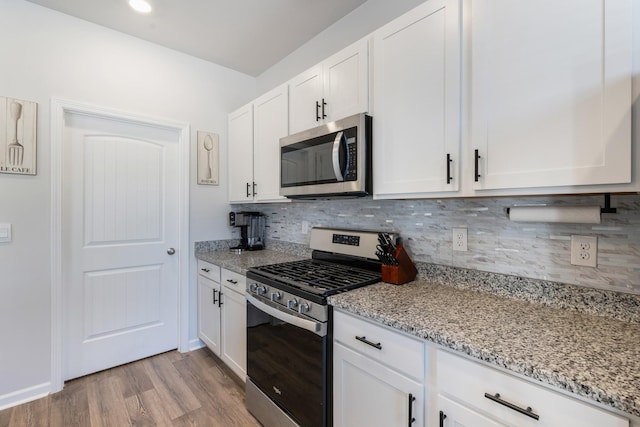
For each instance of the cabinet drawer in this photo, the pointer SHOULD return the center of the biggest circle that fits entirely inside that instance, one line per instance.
(398, 351)
(234, 281)
(208, 270)
(467, 382)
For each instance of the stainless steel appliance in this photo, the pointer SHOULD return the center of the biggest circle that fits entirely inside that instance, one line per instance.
(289, 330)
(328, 161)
(252, 229)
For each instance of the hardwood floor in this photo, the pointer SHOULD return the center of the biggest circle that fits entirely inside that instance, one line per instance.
(171, 389)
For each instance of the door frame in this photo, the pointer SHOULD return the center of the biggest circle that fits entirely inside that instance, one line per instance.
(60, 107)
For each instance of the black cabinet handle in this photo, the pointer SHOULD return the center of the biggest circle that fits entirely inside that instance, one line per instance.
(317, 111)
(254, 189)
(214, 297)
(372, 344)
(235, 282)
(219, 298)
(206, 270)
(248, 192)
(324, 104)
(477, 156)
(449, 178)
(411, 418)
(528, 412)
(443, 416)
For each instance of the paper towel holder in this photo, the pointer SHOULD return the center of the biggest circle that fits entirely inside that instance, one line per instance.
(607, 205)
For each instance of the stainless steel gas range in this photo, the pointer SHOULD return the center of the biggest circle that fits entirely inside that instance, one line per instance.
(289, 326)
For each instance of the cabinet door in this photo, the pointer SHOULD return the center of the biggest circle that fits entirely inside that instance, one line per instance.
(240, 171)
(416, 102)
(270, 123)
(209, 313)
(305, 96)
(453, 414)
(346, 82)
(234, 331)
(366, 393)
(551, 92)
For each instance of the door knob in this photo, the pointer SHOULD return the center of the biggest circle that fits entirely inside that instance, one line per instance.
(171, 251)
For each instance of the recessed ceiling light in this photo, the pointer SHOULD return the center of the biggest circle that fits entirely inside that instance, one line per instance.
(141, 6)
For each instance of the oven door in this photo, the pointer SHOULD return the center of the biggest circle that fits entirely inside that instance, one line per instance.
(287, 359)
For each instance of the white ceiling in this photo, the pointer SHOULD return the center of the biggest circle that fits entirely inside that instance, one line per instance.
(245, 35)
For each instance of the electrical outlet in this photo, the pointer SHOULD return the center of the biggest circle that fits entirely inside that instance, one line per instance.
(460, 239)
(584, 250)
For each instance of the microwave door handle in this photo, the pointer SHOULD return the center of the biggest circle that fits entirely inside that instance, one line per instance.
(336, 156)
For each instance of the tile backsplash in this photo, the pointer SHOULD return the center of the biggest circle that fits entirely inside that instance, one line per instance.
(495, 244)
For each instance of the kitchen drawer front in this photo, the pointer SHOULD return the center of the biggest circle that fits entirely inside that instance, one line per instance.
(467, 381)
(234, 281)
(400, 352)
(208, 270)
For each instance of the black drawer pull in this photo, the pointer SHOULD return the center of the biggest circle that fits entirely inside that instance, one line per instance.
(443, 416)
(411, 418)
(449, 160)
(206, 270)
(528, 412)
(366, 341)
(477, 167)
(235, 282)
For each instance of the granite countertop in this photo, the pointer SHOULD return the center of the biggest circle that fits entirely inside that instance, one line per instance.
(593, 356)
(240, 263)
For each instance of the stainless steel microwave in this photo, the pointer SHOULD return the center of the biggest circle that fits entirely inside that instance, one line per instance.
(331, 160)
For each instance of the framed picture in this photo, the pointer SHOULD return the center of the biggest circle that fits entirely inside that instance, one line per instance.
(208, 153)
(17, 136)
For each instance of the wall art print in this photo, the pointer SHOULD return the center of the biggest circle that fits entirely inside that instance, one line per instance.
(18, 136)
(208, 153)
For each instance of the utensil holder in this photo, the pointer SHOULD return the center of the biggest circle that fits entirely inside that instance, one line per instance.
(402, 273)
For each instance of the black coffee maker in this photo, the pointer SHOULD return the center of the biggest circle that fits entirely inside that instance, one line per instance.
(252, 228)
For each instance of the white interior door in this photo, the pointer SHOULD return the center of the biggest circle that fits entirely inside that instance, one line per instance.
(120, 217)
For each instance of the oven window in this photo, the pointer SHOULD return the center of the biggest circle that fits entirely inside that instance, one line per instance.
(286, 363)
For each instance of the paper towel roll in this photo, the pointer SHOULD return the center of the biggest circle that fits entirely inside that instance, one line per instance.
(569, 214)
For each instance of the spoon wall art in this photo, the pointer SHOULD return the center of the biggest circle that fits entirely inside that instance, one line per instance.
(208, 153)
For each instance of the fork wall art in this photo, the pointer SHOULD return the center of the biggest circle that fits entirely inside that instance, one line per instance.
(17, 136)
(208, 158)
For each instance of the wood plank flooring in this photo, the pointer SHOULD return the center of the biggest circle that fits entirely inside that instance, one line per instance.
(171, 389)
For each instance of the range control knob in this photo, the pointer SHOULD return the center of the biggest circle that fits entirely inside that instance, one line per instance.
(276, 296)
(252, 287)
(261, 290)
(303, 308)
(292, 304)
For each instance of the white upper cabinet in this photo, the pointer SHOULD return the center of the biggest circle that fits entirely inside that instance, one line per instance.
(416, 102)
(334, 89)
(241, 154)
(270, 123)
(254, 148)
(550, 93)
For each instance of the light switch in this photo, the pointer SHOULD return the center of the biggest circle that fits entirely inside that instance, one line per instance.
(5, 233)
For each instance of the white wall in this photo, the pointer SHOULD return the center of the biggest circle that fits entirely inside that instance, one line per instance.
(362, 21)
(46, 54)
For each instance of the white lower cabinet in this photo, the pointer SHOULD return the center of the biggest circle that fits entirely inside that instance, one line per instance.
(208, 308)
(234, 323)
(370, 385)
(507, 400)
(222, 315)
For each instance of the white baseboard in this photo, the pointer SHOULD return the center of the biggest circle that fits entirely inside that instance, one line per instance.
(25, 395)
(196, 344)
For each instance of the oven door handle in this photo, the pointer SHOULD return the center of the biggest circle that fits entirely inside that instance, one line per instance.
(317, 328)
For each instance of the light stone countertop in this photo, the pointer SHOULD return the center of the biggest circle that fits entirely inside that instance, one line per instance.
(596, 357)
(593, 356)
